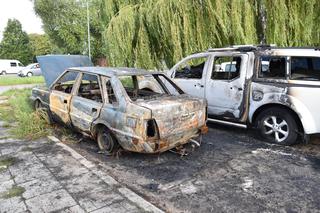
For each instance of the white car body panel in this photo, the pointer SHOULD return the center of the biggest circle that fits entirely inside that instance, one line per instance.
(228, 104)
(7, 68)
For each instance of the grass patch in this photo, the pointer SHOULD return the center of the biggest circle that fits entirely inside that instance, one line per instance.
(19, 110)
(13, 192)
(6, 162)
(14, 80)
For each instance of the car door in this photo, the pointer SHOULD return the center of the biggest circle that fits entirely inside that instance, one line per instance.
(87, 102)
(189, 74)
(61, 95)
(225, 86)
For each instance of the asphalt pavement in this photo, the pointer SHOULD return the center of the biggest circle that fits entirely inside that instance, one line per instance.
(231, 171)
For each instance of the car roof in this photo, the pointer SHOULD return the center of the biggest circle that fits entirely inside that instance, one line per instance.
(114, 71)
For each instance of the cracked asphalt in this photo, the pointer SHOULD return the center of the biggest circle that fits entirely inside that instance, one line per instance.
(230, 172)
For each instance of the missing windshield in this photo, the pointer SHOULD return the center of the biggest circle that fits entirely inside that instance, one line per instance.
(145, 87)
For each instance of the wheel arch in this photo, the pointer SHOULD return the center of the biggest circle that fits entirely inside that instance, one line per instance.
(96, 126)
(37, 99)
(280, 106)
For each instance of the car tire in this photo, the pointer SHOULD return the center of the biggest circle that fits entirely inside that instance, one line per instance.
(106, 141)
(3, 73)
(278, 126)
(38, 106)
(29, 74)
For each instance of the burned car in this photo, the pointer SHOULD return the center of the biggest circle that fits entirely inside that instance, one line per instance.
(271, 89)
(137, 110)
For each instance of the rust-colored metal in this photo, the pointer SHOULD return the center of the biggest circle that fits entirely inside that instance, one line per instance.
(147, 125)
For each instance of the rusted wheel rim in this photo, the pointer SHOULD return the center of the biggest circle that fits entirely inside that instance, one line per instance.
(276, 127)
(107, 142)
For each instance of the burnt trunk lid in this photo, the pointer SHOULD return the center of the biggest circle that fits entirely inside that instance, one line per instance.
(176, 114)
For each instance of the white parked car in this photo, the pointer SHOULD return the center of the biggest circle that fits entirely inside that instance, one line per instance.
(275, 90)
(30, 70)
(8, 66)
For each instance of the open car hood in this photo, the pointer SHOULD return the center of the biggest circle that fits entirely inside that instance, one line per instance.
(54, 65)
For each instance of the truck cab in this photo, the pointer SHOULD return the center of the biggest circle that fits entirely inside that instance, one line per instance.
(272, 89)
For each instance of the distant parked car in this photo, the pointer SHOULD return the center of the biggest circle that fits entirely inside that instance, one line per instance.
(30, 70)
(10, 66)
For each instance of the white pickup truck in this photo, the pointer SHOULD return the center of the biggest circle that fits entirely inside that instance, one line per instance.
(276, 90)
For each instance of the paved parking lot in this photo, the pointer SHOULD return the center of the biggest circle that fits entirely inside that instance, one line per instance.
(48, 176)
(230, 172)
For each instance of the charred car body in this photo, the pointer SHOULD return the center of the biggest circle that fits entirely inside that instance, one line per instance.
(138, 110)
(273, 89)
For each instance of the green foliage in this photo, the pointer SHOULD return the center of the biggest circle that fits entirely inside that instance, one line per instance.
(15, 43)
(65, 22)
(40, 45)
(293, 22)
(158, 33)
(29, 124)
(149, 33)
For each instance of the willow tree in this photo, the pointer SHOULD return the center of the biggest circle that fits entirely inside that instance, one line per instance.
(150, 33)
(293, 22)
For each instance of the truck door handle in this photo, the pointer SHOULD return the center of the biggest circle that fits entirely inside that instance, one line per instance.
(65, 101)
(94, 110)
(199, 85)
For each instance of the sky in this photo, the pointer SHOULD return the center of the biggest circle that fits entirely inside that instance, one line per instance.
(21, 10)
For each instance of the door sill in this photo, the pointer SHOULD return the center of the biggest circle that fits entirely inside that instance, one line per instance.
(228, 123)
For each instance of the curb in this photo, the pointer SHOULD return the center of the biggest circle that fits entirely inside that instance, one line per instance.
(124, 191)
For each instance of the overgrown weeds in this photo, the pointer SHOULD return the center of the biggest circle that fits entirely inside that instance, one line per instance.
(29, 124)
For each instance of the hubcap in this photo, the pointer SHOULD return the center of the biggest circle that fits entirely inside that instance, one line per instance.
(276, 127)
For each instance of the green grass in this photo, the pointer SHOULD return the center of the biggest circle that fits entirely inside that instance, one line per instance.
(6, 162)
(19, 110)
(15, 191)
(15, 80)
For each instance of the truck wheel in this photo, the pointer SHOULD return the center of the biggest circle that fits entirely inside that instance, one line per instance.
(277, 126)
(106, 141)
(3, 73)
(29, 74)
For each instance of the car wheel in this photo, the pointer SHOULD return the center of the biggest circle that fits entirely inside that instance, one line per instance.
(29, 74)
(37, 105)
(106, 141)
(3, 73)
(277, 126)
(44, 113)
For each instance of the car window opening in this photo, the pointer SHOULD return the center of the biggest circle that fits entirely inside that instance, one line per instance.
(89, 88)
(139, 87)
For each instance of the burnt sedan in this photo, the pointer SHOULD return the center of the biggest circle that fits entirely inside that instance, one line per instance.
(137, 110)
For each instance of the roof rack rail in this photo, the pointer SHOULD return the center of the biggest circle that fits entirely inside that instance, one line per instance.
(242, 48)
